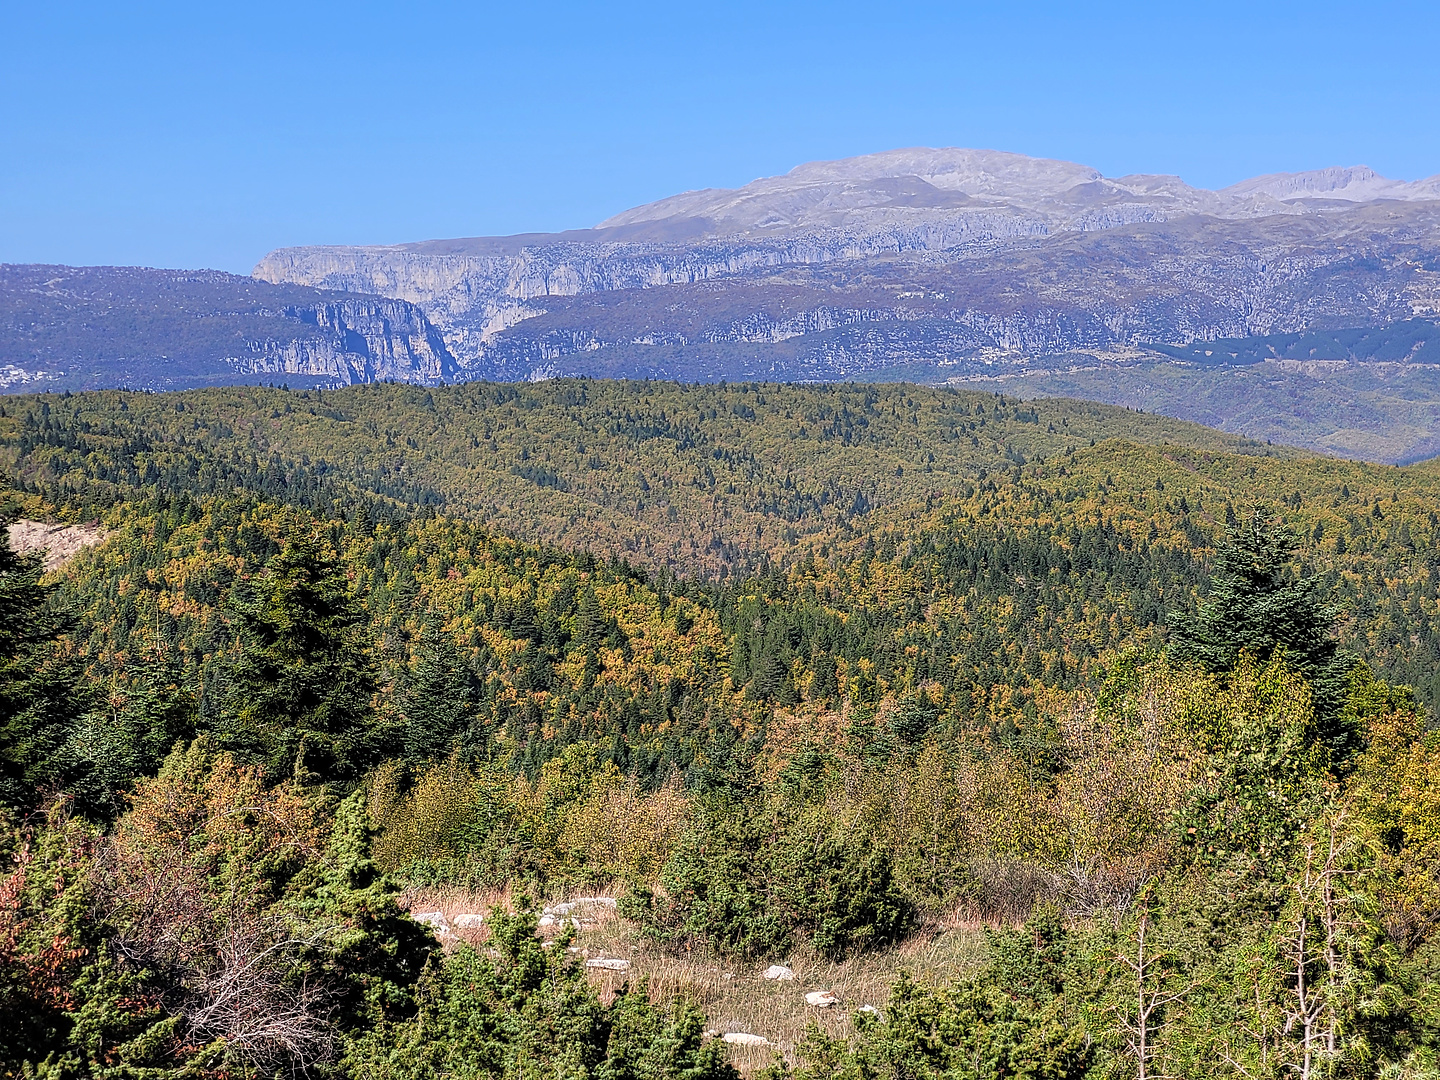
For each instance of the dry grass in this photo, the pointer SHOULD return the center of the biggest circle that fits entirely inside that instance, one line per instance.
(734, 996)
(451, 902)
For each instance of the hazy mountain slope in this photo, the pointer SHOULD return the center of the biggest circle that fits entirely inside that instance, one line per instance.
(1410, 342)
(71, 328)
(1372, 411)
(1364, 392)
(997, 251)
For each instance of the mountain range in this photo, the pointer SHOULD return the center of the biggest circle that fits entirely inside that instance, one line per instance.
(957, 259)
(946, 265)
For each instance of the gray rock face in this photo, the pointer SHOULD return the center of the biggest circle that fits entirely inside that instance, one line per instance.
(357, 341)
(435, 920)
(1357, 184)
(965, 259)
(608, 964)
(744, 1038)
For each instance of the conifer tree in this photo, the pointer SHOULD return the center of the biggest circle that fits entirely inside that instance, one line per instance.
(1258, 606)
(38, 684)
(298, 694)
(437, 698)
(148, 707)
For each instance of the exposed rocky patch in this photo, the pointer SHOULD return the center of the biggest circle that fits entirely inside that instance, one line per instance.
(60, 543)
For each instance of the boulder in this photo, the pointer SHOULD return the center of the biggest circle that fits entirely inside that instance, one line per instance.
(470, 921)
(821, 999)
(740, 1038)
(569, 907)
(781, 972)
(434, 919)
(603, 964)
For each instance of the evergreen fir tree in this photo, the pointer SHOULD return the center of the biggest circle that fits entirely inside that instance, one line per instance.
(299, 689)
(39, 684)
(437, 698)
(1258, 606)
(150, 705)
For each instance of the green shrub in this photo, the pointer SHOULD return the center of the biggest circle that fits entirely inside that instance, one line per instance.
(529, 1012)
(757, 883)
(1012, 1020)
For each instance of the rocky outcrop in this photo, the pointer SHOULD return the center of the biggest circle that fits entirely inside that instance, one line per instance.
(59, 543)
(608, 964)
(356, 341)
(744, 1038)
(1359, 183)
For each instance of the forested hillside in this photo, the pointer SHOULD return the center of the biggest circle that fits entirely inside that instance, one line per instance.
(749, 469)
(802, 674)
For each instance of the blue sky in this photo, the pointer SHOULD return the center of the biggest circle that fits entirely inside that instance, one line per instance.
(205, 134)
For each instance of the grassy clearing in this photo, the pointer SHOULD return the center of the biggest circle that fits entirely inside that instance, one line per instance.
(734, 994)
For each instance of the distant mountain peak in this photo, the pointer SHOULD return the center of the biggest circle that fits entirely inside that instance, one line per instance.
(975, 172)
(1356, 183)
(871, 187)
(829, 193)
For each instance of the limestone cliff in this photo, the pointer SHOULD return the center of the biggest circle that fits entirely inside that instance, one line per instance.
(356, 341)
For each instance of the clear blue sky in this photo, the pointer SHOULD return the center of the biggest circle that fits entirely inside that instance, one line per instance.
(205, 134)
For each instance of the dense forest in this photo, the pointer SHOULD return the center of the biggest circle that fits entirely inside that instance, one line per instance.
(803, 674)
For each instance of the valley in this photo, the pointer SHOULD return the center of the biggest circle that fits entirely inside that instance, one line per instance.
(952, 727)
(940, 700)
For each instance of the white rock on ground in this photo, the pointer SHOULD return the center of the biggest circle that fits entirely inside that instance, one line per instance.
(572, 906)
(740, 1038)
(470, 921)
(608, 965)
(821, 999)
(434, 919)
(779, 971)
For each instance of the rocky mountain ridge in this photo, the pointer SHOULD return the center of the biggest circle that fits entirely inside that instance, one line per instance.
(953, 260)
